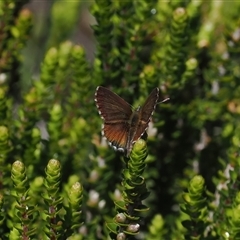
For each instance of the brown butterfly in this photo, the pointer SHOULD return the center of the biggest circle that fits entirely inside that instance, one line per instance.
(123, 126)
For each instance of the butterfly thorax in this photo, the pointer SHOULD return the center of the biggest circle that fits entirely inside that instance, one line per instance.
(134, 119)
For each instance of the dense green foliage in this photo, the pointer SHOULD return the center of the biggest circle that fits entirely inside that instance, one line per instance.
(58, 177)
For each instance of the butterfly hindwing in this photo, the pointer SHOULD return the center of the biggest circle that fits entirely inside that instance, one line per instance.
(116, 134)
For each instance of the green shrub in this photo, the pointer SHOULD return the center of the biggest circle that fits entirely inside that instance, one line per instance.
(58, 177)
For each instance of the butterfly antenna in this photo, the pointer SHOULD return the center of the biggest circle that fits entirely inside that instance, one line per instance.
(164, 100)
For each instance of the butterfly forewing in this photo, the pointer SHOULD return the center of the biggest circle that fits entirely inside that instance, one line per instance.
(111, 107)
(145, 113)
(150, 104)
